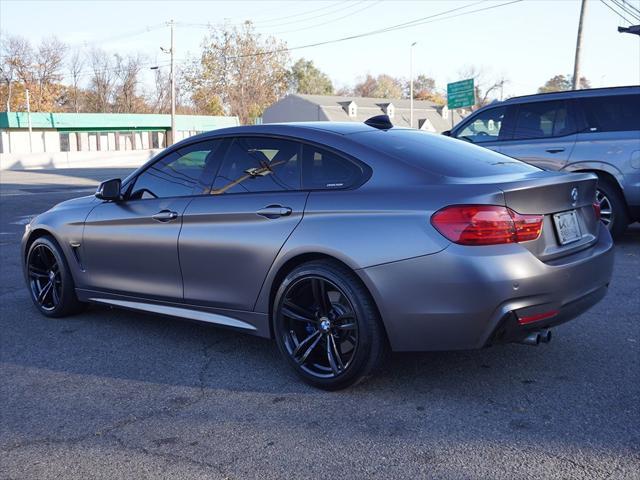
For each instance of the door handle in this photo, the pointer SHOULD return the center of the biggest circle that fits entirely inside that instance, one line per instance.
(165, 216)
(555, 150)
(274, 211)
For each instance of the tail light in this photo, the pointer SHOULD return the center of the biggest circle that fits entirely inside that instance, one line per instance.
(596, 209)
(486, 224)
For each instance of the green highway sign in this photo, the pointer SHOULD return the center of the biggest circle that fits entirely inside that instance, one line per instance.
(461, 94)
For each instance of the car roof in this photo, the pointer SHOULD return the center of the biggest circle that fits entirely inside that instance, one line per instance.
(293, 128)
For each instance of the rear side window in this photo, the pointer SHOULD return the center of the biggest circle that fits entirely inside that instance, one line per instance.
(618, 113)
(441, 155)
(543, 120)
(259, 164)
(326, 170)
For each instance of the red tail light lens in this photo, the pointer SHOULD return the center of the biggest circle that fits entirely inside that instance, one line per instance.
(596, 209)
(486, 225)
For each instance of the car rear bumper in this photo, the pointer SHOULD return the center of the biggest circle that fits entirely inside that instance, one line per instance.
(463, 297)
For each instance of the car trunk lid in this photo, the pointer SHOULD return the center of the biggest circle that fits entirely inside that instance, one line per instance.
(566, 201)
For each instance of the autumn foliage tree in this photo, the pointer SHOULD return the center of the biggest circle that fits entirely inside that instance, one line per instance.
(239, 72)
(559, 83)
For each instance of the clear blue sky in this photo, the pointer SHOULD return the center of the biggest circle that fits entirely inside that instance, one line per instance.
(527, 42)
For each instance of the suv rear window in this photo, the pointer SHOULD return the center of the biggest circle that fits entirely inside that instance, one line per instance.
(441, 155)
(610, 113)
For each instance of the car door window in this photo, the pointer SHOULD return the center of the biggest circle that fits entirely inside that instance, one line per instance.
(485, 127)
(543, 120)
(326, 170)
(259, 164)
(617, 113)
(179, 174)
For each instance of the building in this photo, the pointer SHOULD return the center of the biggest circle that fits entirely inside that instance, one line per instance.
(74, 139)
(300, 108)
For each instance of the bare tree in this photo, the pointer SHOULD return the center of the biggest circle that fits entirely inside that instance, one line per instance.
(100, 90)
(127, 70)
(486, 88)
(47, 75)
(76, 64)
(17, 74)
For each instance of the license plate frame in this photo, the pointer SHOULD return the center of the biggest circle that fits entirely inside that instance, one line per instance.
(567, 227)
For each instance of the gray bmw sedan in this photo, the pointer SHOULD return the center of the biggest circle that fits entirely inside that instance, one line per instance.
(340, 241)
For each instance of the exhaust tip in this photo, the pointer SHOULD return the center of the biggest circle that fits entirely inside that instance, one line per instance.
(532, 339)
(545, 336)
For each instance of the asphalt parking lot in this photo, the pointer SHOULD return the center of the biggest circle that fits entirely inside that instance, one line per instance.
(115, 394)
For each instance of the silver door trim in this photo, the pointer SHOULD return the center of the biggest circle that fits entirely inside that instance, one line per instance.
(178, 312)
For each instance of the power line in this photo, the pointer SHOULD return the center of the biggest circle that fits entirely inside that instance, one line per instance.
(623, 8)
(350, 14)
(341, 7)
(616, 12)
(413, 23)
(631, 6)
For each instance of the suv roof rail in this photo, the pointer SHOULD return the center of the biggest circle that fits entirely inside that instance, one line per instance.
(579, 91)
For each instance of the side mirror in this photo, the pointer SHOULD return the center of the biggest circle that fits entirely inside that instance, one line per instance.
(109, 190)
(447, 133)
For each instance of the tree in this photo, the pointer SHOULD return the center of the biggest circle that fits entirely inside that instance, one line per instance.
(486, 88)
(47, 74)
(424, 88)
(306, 78)
(75, 66)
(239, 70)
(37, 70)
(126, 70)
(382, 86)
(100, 91)
(561, 83)
(17, 72)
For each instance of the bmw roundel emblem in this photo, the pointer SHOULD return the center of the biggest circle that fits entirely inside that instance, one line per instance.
(574, 196)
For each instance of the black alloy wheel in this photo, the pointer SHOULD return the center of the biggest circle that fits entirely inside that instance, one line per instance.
(50, 283)
(321, 334)
(44, 277)
(327, 326)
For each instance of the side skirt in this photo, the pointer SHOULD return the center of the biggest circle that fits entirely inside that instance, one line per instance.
(249, 322)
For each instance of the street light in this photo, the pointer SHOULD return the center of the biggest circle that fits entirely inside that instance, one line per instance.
(411, 85)
(633, 29)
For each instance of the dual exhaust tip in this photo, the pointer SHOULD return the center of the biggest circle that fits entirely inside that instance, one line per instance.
(536, 338)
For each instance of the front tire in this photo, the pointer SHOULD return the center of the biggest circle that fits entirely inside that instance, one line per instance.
(327, 326)
(49, 280)
(613, 210)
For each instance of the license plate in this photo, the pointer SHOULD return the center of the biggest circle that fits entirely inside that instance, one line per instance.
(567, 227)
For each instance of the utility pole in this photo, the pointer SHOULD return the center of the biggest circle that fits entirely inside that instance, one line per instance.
(411, 85)
(173, 87)
(576, 63)
(29, 121)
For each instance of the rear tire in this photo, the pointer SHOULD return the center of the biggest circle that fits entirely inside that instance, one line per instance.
(327, 326)
(613, 207)
(49, 279)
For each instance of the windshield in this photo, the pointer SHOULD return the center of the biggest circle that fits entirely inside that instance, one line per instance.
(441, 155)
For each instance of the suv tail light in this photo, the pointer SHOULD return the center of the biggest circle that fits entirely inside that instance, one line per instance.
(486, 225)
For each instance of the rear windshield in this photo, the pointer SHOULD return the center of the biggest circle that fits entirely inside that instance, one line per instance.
(441, 155)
